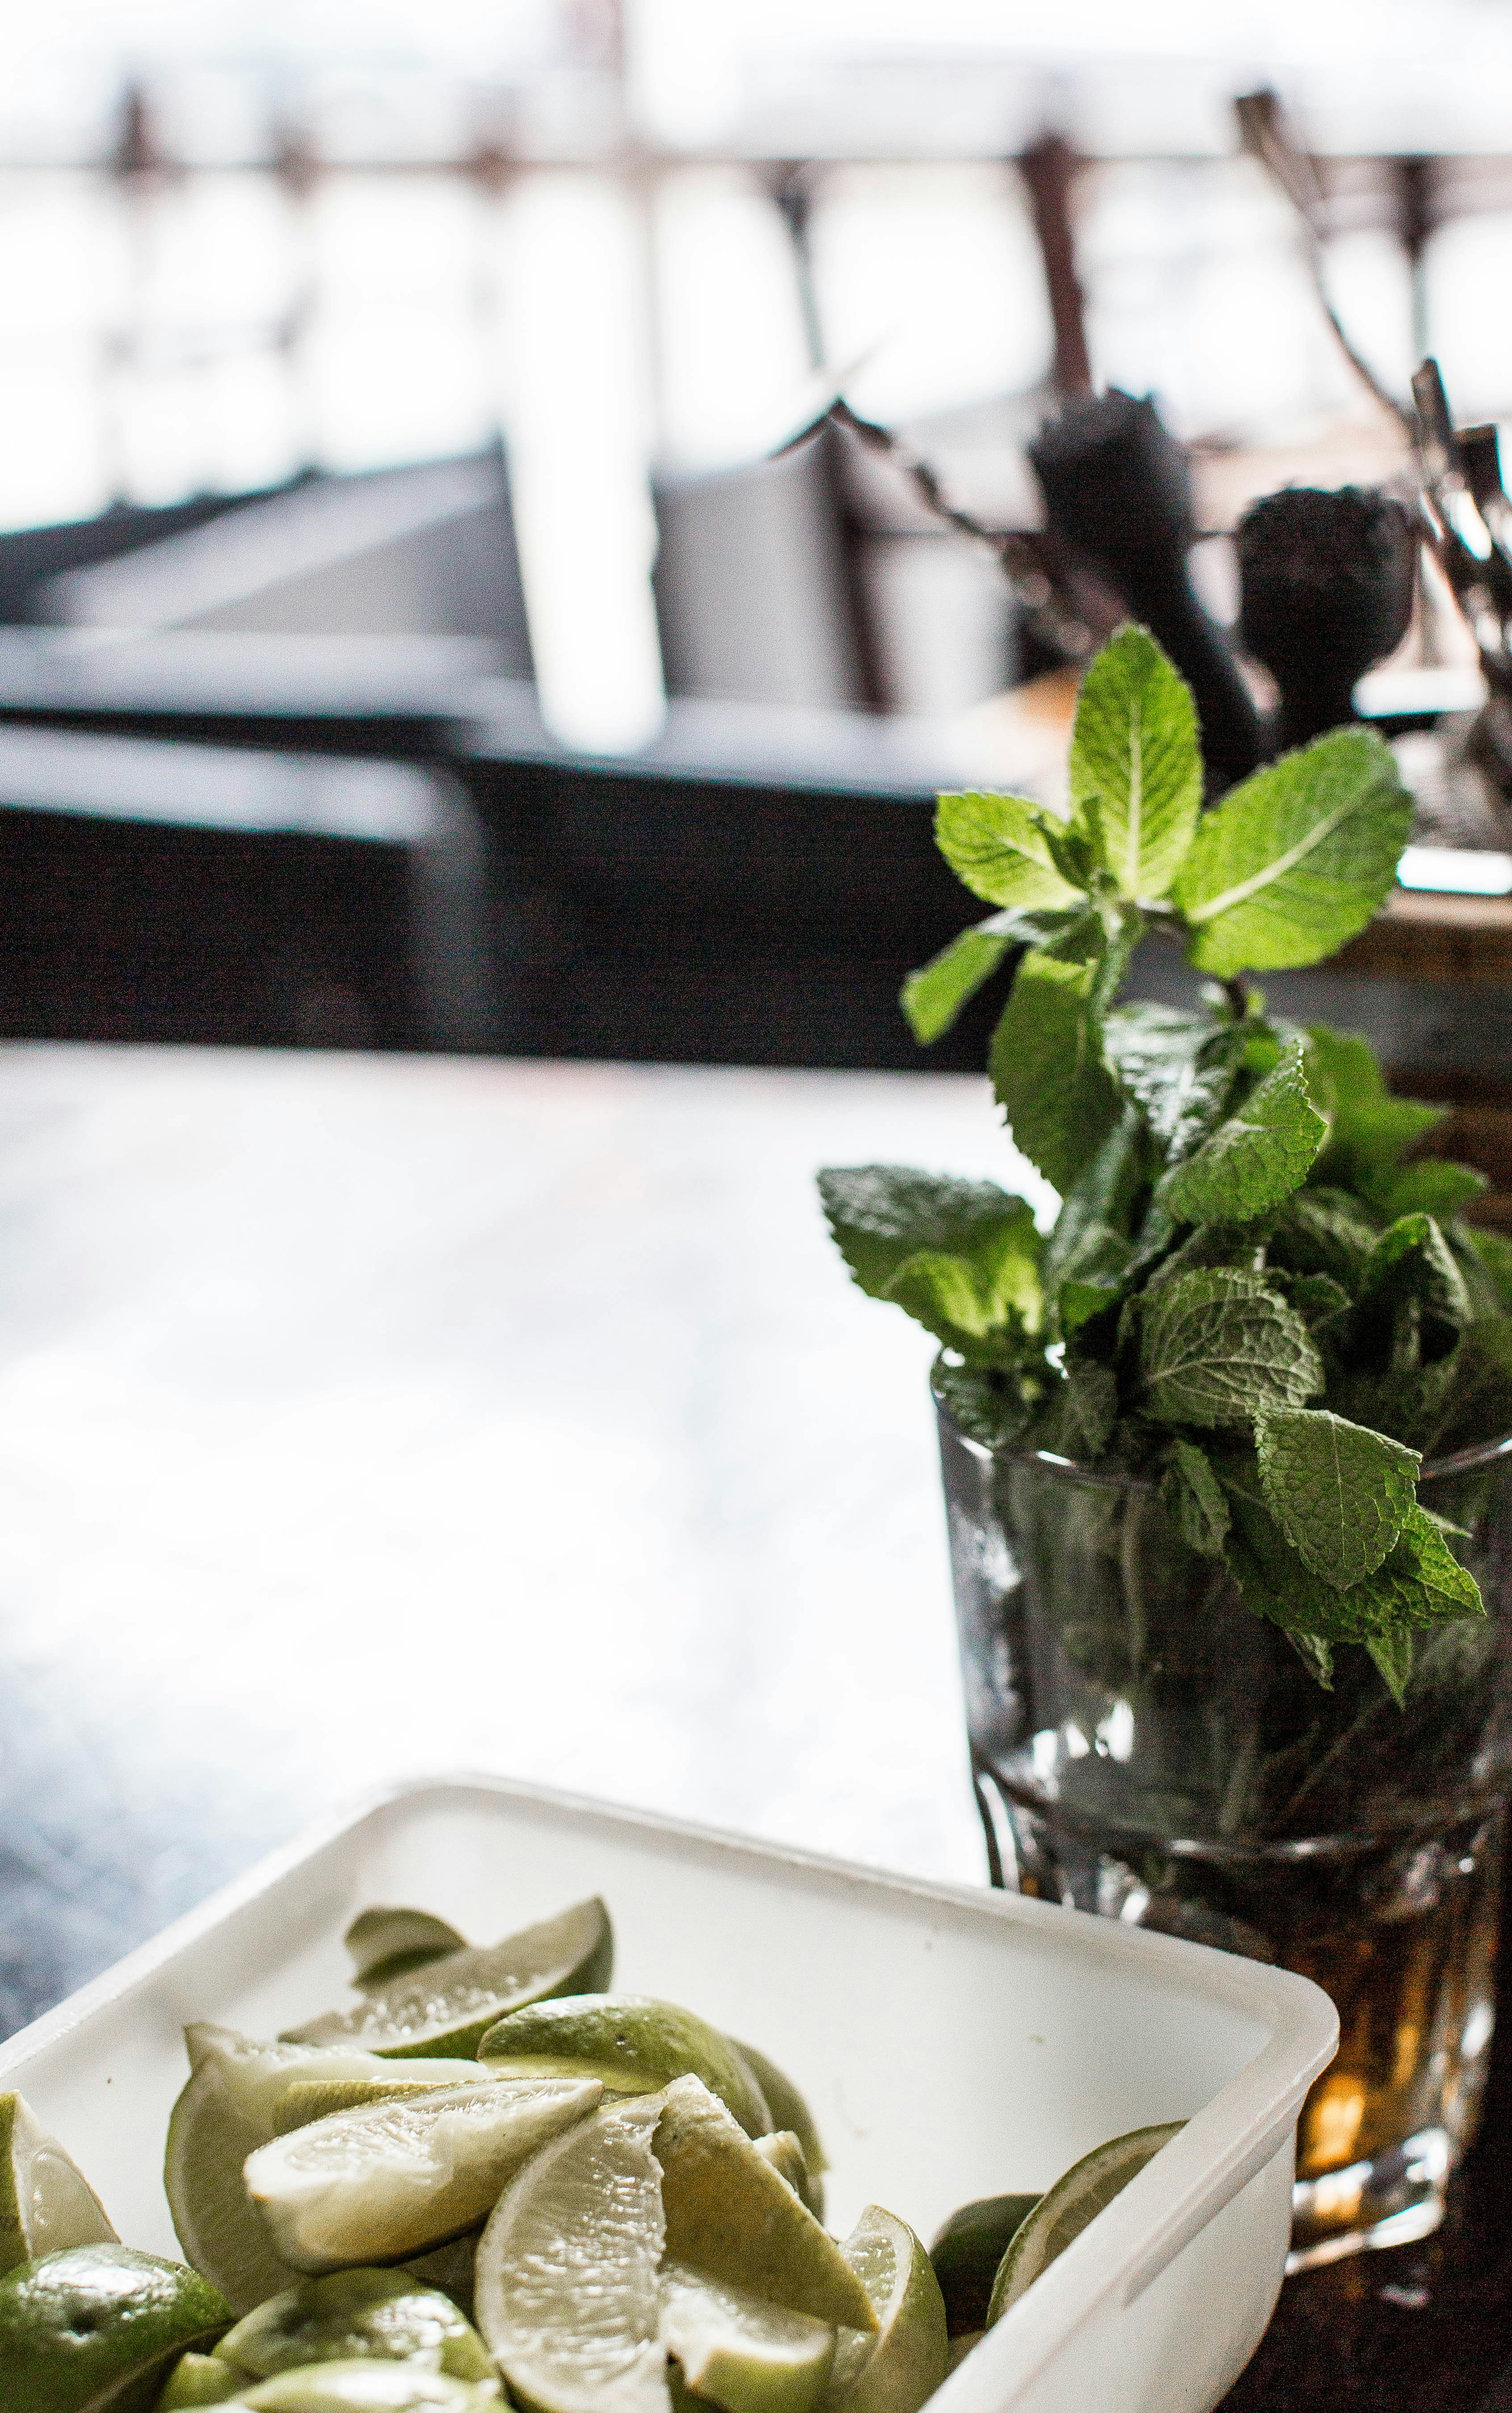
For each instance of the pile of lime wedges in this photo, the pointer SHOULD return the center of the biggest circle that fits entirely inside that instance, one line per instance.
(491, 2181)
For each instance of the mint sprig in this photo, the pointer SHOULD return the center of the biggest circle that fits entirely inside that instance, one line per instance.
(1258, 1291)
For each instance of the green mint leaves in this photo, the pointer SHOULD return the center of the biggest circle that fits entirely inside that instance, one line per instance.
(1295, 859)
(998, 847)
(961, 1257)
(1255, 1159)
(1258, 1297)
(1219, 1348)
(1048, 1069)
(1340, 1493)
(1135, 768)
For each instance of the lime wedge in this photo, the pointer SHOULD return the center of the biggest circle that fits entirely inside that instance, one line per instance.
(99, 2327)
(783, 2151)
(967, 2252)
(386, 1943)
(369, 2388)
(906, 2360)
(403, 2177)
(728, 2212)
(1062, 2216)
(226, 2111)
(315, 2098)
(567, 2296)
(787, 2107)
(448, 2006)
(200, 2380)
(741, 2352)
(631, 2043)
(46, 2202)
(380, 2315)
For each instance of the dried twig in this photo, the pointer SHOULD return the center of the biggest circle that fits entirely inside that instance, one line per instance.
(1264, 134)
(1075, 611)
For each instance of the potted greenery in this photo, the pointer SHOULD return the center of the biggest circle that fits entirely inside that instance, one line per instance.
(1230, 1522)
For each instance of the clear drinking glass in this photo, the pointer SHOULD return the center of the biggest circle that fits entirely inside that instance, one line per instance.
(1143, 1747)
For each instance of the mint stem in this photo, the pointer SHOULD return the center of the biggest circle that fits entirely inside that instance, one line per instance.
(1238, 996)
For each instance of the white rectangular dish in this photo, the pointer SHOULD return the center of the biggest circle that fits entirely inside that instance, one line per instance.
(952, 2044)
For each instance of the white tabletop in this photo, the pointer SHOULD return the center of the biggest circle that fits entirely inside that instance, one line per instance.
(364, 1416)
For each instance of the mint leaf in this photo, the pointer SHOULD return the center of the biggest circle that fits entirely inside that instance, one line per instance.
(932, 996)
(987, 1406)
(1049, 1070)
(1193, 1497)
(1136, 765)
(1422, 1582)
(1089, 1407)
(1340, 1493)
(1296, 858)
(1432, 1186)
(1412, 1260)
(1180, 1067)
(1218, 1347)
(1274, 1580)
(1392, 1651)
(1324, 1231)
(884, 1214)
(1370, 1128)
(984, 1305)
(1255, 1160)
(1477, 1401)
(998, 847)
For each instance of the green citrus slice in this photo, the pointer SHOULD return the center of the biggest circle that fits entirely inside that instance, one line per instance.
(1060, 2215)
(567, 2292)
(98, 2329)
(450, 2004)
(46, 2202)
(783, 2151)
(200, 2380)
(385, 1944)
(730, 2214)
(634, 2044)
(403, 2177)
(967, 2252)
(742, 2353)
(787, 2107)
(226, 2111)
(368, 2388)
(907, 2358)
(315, 2098)
(380, 2315)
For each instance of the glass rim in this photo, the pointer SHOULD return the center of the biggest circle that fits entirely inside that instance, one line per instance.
(1070, 1470)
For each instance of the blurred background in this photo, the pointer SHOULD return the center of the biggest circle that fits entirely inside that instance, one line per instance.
(414, 632)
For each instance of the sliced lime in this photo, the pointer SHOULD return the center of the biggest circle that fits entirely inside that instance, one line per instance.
(380, 2315)
(46, 2202)
(632, 2043)
(567, 2292)
(742, 2353)
(226, 2111)
(369, 2388)
(907, 2358)
(315, 2098)
(1086, 2190)
(730, 2214)
(200, 2380)
(403, 2177)
(787, 2107)
(783, 2151)
(448, 2006)
(385, 1944)
(967, 2252)
(99, 2327)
